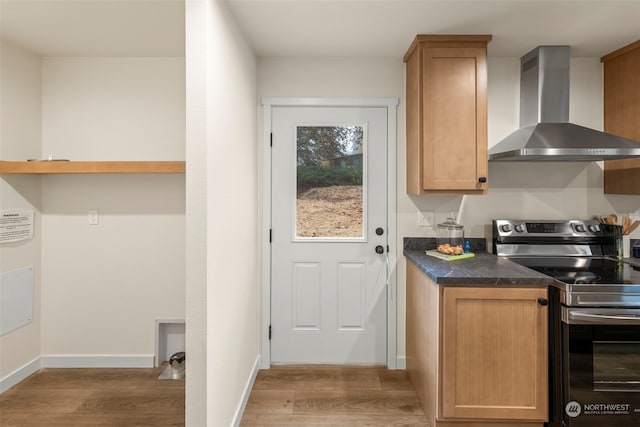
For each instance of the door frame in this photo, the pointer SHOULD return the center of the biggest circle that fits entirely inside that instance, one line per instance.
(391, 104)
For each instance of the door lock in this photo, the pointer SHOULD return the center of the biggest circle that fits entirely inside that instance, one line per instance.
(379, 231)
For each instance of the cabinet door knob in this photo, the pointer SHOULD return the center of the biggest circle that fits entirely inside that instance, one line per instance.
(482, 179)
(543, 302)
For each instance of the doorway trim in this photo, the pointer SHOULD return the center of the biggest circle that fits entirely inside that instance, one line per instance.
(391, 104)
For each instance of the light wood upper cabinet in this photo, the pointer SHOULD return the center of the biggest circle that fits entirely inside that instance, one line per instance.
(622, 115)
(477, 355)
(446, 96)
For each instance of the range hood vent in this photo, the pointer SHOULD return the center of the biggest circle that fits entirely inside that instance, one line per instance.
(545, 133)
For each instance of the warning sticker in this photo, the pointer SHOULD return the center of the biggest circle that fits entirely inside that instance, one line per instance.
(16, 225)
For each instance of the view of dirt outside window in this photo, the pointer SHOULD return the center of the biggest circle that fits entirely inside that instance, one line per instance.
(329, 180)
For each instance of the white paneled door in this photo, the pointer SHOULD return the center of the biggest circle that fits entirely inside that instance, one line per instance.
(329, 235)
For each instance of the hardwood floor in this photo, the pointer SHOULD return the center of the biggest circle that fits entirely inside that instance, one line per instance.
(300, 396)
(94, 397)
(305, 396)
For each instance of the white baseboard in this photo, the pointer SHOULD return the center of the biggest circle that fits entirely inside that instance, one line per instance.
(97, 361)
(19, 375)
(247, 391)
(401, 362)
(77, 361)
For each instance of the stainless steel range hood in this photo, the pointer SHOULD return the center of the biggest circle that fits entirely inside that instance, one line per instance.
(545, 133)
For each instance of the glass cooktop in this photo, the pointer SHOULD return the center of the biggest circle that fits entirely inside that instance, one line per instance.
(583, 270)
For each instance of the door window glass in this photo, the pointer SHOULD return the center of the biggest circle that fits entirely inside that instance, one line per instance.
(330, 171)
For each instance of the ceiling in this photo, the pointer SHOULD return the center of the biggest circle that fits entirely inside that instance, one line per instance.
(319, 27)
(386, 27)
(95, 27)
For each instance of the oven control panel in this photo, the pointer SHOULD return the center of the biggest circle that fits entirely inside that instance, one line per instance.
(546, 228)
(546, 238)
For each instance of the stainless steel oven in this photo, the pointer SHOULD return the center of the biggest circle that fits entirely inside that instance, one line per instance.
(599, 361)
(594, 318)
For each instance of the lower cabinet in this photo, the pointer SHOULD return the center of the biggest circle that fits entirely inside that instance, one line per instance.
(478, 356)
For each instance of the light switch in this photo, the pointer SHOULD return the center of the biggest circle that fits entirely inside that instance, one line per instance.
(93, 216)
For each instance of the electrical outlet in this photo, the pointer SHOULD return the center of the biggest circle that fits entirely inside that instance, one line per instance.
(93, 216)
(425, 218)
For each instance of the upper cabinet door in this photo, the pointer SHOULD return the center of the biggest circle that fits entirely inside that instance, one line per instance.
(622, 115)
(447, 115)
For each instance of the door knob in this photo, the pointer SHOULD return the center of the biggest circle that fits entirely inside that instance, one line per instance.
(543, 301)
(379, 249)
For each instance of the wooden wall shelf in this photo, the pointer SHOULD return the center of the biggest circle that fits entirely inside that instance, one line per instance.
(72, 167)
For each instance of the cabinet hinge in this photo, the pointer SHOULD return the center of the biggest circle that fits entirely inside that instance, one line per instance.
(269, 332)
(271, 139)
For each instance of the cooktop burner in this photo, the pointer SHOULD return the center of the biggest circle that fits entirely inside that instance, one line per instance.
(575, 277)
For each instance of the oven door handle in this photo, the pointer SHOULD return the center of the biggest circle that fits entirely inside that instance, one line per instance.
(598, 318)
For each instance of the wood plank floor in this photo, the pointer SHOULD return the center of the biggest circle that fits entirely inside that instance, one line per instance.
(94, 397)
(300, 396)
(305, 396)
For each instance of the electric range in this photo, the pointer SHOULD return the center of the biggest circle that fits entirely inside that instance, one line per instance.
(594, 317)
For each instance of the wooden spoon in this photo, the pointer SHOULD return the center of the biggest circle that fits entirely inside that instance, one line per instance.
(633, 226)
(612, 219)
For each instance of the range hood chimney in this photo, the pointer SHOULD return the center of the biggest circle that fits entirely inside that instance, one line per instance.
(545, 133)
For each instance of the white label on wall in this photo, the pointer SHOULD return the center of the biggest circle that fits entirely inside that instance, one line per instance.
(16, 225)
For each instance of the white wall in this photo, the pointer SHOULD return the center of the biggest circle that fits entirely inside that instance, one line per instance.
(105, 285)
(114, 108)
(223, 291)
(20, 132)
(530, 190)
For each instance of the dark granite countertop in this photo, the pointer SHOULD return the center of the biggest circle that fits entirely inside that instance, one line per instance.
(484, 269)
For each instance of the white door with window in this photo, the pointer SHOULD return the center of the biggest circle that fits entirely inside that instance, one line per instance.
(329, 236)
